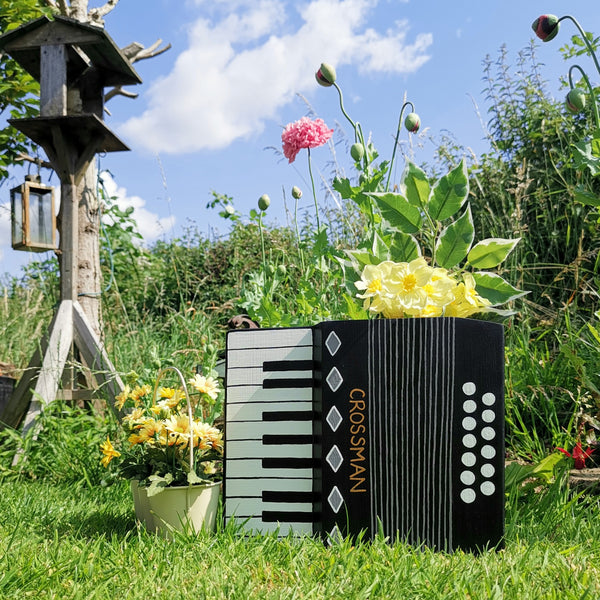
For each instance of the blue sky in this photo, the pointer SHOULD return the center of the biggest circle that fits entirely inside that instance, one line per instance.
(212, 108)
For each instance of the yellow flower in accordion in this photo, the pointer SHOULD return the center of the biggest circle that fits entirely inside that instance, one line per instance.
(466, 299)
(205, 385)
(178, 429)
(374, 283)
(440, 292)
(109, 452)
(207, 437)
(122, 397)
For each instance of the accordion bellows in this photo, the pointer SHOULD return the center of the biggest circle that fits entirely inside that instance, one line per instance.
(380, 426)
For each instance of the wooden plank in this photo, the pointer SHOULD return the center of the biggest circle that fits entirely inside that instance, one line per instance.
(93, 352)
(53, 81)
(59, 345)
(68, 242)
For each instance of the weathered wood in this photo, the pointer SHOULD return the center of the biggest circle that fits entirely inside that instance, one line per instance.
(68, 242)
(53, 81)
(93, 352)
(59, 345)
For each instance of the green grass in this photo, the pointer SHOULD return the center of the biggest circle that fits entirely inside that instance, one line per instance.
(63, 541)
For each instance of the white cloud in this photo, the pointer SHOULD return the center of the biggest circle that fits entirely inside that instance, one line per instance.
(149, 224)
(241, 68)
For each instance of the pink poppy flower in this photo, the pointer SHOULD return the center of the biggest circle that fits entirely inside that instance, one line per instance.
(304, 133)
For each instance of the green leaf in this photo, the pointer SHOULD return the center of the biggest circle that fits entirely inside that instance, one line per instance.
(491, 252)
(586, 197)
(416, 185)
(584, 157)
(449, 193)
(455, 240)
(403, 247)
(495, 289)
(380, 248)
(363, 257)
(515, 473)
(397, 211)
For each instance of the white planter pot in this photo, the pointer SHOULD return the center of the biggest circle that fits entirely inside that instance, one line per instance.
(185, 508)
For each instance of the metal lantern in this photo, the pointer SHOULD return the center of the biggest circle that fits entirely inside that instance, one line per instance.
(33, 216)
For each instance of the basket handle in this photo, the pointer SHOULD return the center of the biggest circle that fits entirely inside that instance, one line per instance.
(189, 406)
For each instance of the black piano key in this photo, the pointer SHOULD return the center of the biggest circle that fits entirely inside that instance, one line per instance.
(288, 365)
(277, 439)
(288, 383)
(290, 415)
(287, 497)
(282, 516)
(290, 463)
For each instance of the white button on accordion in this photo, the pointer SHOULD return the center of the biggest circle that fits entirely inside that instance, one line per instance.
(393, 426)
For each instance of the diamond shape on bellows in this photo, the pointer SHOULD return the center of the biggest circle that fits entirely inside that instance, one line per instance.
(335, 458)
(334, 418)
(334, 379)
(335, 499)
(333, 343)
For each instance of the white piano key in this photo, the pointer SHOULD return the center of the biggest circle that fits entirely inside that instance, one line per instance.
(254, 430)
(253, 507)
(255, 487)
(255, 449)
(254, 411)
(255, 376)
(256, 357)
(269, 338)
(257, 526)
(252, 468)
(258, 394)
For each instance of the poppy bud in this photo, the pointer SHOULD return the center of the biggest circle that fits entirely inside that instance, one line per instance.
(263, 202)
(546, 27)
(296, 192)
(575, 100)
(325, 75)
(357, 151)
(412, 122)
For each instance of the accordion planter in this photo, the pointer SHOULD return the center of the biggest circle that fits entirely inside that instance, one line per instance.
(392, 426)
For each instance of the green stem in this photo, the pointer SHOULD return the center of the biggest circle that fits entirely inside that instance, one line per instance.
(585, 39)
(591, 90)
(300, 250)
(387, 183)
(262, 242)
(337, 87)
(312, 183)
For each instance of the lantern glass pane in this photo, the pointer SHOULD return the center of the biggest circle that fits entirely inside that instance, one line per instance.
(16, 198)
(40, 217)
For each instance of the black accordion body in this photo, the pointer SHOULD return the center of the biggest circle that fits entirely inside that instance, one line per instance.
(393, 426)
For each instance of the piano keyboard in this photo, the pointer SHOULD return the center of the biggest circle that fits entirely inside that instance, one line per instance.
(392, 425)
(269, 443)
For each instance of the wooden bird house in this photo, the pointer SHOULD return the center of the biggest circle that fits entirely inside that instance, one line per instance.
(74, 62)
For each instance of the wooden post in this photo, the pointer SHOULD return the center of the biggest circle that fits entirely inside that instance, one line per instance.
(53, 81)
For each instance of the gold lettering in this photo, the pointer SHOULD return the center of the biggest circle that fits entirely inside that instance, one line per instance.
(357, 429)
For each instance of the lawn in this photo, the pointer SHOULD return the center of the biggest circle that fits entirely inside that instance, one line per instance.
(76, 541)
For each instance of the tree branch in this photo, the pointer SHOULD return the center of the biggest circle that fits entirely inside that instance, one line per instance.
(96, 14)
(119, 91)
(136, 51)
(37, 161)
